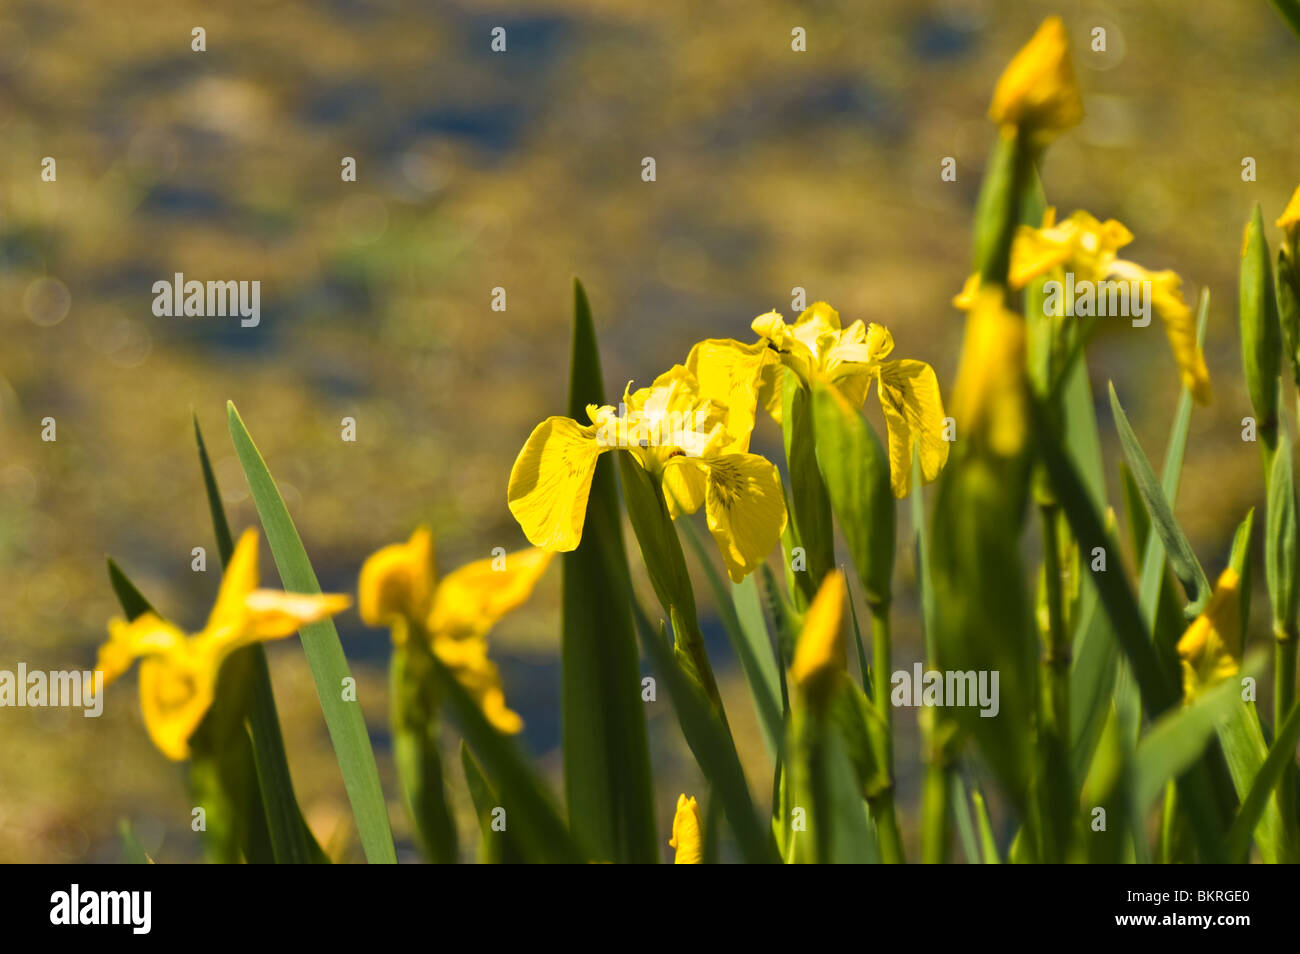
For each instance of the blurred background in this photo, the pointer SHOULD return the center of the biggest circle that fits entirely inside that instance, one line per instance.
(518, 170)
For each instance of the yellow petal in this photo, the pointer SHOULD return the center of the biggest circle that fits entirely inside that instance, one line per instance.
(684, 485)
(469, 664)
(239, 579)
(468, 602)
(551, 480)
(729, 374)
(687, 838)
(988, 401)
(745, 507)
(275, 613)
(965, 299)
(1034, 253)
(770, 389)
(1180, 328)
(176, 692)
(1291, 214)
(909, 395)
(397, 581)
(819, 653)
(1037, 92)
(146, 635)
(1207, 650)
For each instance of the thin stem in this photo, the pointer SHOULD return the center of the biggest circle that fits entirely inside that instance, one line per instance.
(1284, 664)
(882, 805)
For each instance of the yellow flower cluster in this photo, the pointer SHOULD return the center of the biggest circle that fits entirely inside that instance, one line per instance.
(690, 430)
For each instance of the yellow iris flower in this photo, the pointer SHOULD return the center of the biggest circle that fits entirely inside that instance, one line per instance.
(1088, 248)
(399, 588)
(819, 657)
(682, 439)
(1037, 93)
(178, 673)
(687, 837)
(1207, 650)
(816, 346)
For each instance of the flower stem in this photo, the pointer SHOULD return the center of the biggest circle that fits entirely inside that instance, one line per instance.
(882, 805)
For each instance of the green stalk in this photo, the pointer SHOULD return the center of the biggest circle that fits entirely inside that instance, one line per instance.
(666, 566)
(882, 805)
(1284, 664)
(934, 813)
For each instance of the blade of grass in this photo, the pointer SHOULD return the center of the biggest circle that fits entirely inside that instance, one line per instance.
(320, 643)
(1281, 757)
(291, 839)
(1179, 737)
(1181, 558)
(607, 774)
(712, 746)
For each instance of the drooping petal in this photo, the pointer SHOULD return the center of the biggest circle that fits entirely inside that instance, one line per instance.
(469, 664)
(176, 691)
(687, 837)
(909, 395)
(684, 485)
(819, 653)
(469, 601)
(397, 581)
(146, 635)
(1180, 329)
(745, 508)
(1207, 650)
(1037, 92)
(550, 482)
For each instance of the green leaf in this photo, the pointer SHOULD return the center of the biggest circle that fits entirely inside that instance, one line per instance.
(1181, 558)
(530, 815)
(1261, 330)
(1157, 694)
(607, 776)
(987, 841)
(1281, 758)
(247, 672)
(856, 475)
(320, 643)
(809, 503)
(961, 815)
(1177, 740)
(495, 847)
(132, 600)
(417, 752)
(1280, 537)
(1290, 11)
(741, 612)
(711, 744)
